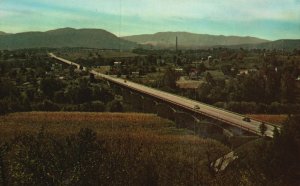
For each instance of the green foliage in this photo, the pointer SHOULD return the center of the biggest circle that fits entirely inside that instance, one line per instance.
(47, 105)
(169, 79)
(129, 149)
(4, 107)
(262, 128)
(44, 160)
(94, 106)
(65, 37)
(269, 162)
(50, 85)
(115, 106)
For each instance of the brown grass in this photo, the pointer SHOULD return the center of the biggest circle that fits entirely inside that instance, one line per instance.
(108, 125)
(134, 141)
(276, 119)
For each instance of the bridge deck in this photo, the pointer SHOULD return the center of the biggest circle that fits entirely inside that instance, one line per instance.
(225, 116)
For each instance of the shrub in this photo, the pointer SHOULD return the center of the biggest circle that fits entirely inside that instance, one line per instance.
(115, 106)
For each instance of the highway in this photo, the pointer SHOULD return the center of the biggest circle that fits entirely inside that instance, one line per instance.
(222, 115)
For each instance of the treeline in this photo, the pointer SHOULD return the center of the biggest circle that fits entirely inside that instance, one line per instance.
(268, 162)
(260, 108)
(40, 84)
(271, 89)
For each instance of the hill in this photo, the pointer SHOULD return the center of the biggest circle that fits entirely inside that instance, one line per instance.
(2, 33)
(287, 44)
(65, 37)
(190, 40)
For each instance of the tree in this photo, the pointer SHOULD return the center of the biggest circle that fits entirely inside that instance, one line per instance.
(209, 79)
(273, 161)
(44, 159)
(287, 88)
(50, 85)
(169, 79)
(115, 106)
(262, 128)
(84, 92)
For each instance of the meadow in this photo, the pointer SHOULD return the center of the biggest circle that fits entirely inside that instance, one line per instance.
(127, 148)
(278, 119)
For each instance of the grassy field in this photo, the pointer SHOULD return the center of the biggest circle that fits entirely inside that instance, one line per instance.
(137, 143)
(276, 119)
(102, 69)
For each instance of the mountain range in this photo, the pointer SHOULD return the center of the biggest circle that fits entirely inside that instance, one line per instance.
(65, 37)
(2, 33)
(99, 38)
(286, 44)
(191, 40)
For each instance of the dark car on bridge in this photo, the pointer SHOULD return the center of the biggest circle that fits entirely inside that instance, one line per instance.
(196, 107)
(246, 119)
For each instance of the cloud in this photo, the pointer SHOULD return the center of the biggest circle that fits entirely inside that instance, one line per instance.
(169, 9)
(125, 17)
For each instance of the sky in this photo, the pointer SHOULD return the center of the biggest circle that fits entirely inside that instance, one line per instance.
(268, 19)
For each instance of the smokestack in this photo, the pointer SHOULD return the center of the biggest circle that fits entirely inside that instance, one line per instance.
(176, 43)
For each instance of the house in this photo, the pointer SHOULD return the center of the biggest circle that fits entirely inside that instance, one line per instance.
(135, 74)
(193, 74)
(117, 63)
(247, 71)
(180, 70)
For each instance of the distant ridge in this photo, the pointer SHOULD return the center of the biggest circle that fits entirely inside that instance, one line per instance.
(3, 33)
(191, 40)
(102, 39)
(286, 44)
(65, 37)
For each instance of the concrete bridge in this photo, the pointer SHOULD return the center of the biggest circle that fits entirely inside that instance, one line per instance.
(185, 112)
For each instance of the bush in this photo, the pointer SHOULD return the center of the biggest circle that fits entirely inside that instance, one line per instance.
(95, 106)
(48, 105)
(115, 106)
(4, 107)
(44, 160)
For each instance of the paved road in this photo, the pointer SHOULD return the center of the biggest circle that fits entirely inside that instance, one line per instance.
(228, 117)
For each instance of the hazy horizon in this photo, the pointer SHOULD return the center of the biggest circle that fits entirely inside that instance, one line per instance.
(266, 19)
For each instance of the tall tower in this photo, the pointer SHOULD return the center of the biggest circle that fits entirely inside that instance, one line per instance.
(176, 43)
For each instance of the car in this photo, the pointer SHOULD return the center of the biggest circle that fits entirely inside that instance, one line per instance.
(246, 119)
(196, 107)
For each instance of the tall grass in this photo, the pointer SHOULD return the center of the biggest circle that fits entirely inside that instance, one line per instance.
(137, 149)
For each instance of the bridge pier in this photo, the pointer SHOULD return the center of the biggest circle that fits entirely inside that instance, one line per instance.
(165, 111)
(185, 120)
(137, 101)
(126, 95)
(149, 105)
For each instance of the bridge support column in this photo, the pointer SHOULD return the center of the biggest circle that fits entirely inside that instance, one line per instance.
(137, 101)
(185, 120)
(149, 105)
(165, 111)
(126, 95)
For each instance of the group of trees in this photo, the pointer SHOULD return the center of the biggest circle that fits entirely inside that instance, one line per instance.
(270, 90)
(268, 161)
(43, 159)
(35, 84)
